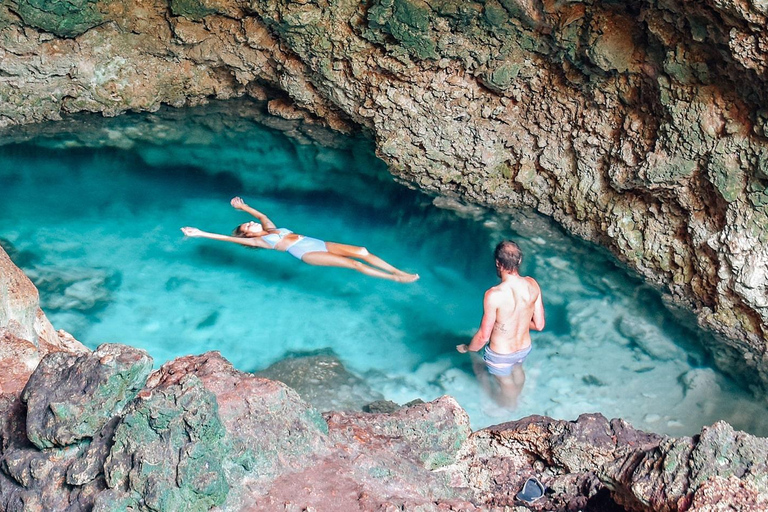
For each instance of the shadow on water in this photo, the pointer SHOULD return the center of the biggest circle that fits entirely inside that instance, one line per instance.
(263, 266)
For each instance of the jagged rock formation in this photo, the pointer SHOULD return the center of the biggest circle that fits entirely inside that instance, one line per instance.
(202, 435)
(638, 126)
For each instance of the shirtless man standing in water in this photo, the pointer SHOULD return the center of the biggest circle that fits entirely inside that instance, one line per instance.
(510, 310)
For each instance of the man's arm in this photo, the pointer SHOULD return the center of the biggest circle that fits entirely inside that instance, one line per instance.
(538, 321)
(483, 334)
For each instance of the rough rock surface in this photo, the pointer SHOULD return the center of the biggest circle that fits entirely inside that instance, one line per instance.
(596, 464)
(201, 435)
(71, 397)
(639, 126)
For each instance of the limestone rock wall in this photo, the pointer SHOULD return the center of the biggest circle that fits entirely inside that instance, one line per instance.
(640, 126)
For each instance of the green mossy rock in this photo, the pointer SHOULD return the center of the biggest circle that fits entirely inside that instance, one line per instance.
(192, 9)
(65, 18)
(70, 398)
(169, 451)
(408, 21)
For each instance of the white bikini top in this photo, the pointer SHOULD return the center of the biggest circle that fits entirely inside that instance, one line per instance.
(274, 238)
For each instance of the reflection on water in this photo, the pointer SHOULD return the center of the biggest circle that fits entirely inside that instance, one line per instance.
(98, 231)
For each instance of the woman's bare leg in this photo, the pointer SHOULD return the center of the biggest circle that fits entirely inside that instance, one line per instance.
(354, 251)
(328, 259)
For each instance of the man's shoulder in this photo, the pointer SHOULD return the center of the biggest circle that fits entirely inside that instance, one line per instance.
(531, 280)
(499, 294)
(494, 291)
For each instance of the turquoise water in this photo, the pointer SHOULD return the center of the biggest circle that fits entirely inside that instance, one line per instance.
(93, 216)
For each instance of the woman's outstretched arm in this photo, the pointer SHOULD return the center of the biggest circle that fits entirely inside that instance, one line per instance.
(249, 242)
(239, 204)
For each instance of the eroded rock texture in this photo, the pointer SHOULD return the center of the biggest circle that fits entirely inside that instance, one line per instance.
(596, 464)
(201, 435)
(641, 126)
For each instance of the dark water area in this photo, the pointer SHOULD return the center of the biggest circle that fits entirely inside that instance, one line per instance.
(91, 209)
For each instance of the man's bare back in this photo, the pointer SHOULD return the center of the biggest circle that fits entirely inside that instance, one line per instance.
(510, 310)
(515, 302)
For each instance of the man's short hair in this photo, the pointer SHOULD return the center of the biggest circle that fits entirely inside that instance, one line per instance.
(508, 256)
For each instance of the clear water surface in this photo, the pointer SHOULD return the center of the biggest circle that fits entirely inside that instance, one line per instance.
(92, 213)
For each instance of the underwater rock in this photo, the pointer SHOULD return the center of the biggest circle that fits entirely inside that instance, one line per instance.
(649, 338)
(20, 258)
(321, 379)
(78, 289)
(381, 406)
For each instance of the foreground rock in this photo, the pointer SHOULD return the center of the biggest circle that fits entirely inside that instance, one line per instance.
(71, 398)
(640, 126)
(201, 435)
(596, 464)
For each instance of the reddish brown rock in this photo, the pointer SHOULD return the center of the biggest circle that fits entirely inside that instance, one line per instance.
(638, 126)
(206, 435)
(18, 359)
(716, 494)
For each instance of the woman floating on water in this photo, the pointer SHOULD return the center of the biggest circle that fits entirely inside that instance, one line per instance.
(265, 235)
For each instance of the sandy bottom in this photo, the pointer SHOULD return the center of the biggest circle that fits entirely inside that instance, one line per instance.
(98, 230)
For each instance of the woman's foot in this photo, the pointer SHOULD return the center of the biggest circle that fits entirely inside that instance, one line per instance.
(405, 278)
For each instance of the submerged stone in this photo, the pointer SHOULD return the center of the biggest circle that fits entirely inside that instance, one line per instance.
(649, 338)
(321, 379)
(74, 289)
